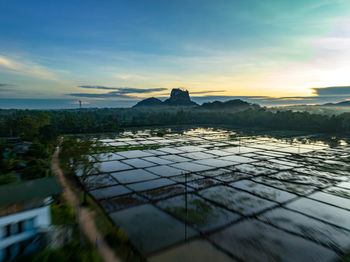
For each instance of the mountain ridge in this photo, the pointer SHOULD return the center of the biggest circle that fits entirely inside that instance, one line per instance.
(181, 97)
(178, 97)
(342, 103)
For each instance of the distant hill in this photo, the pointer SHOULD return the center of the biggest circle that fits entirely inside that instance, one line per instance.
(217, 105)
(181, 97)
(149, 102)
(343, 103)
(178, 97)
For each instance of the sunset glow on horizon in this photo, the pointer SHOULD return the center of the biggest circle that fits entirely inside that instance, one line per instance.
(128, 50)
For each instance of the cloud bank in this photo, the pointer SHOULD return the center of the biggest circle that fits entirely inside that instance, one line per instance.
(321, 95)
(5, 87)
(26, 68)
(113, 94)
(120, 92)
(332, 91)
(98, 87)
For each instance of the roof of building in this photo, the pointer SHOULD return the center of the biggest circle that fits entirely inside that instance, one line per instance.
(29, 190)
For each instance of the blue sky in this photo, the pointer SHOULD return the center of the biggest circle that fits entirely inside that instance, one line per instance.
(118, 52)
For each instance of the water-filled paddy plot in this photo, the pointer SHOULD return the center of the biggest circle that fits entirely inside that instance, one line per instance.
(240, 198)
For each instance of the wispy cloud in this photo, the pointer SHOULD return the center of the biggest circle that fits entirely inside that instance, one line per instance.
(124, 77)
(208, 92)
(4, 62)
(113, 94)
(98, 87)
(125, 90)
(120, 92)
(269, 101)
(5, 87)
(27, 68)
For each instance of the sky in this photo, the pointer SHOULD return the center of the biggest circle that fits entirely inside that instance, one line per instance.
(114, 53)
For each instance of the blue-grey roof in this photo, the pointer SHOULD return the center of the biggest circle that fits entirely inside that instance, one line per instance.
(29, 190)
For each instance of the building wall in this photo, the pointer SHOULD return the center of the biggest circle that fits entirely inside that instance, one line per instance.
(16, 228)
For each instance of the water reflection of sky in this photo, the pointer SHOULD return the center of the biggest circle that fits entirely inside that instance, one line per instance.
(222, 183)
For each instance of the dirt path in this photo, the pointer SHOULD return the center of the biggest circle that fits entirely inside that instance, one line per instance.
(85, 216)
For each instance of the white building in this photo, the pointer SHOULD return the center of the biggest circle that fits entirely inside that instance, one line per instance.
(24, 213)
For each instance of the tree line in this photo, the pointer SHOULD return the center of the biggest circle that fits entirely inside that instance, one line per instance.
(45, 125)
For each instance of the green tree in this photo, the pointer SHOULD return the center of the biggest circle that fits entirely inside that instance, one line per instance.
(75, 155)
(43, 119)
(48, 133)
(38, 150)
(36, 168)
(28, 128)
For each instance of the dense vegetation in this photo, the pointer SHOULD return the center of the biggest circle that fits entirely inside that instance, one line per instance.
(28, 160)
(41, 129)
(21, 160)
(44, 125)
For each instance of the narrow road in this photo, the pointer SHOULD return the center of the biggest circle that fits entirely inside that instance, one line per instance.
(85, 216)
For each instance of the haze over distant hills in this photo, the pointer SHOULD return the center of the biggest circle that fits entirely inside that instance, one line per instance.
(340, 104)
(181, 97)
(178, 97)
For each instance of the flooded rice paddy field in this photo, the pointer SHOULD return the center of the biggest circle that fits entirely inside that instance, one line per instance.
(205, 194)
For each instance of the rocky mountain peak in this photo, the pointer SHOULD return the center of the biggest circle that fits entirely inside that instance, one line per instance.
(179, 96)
